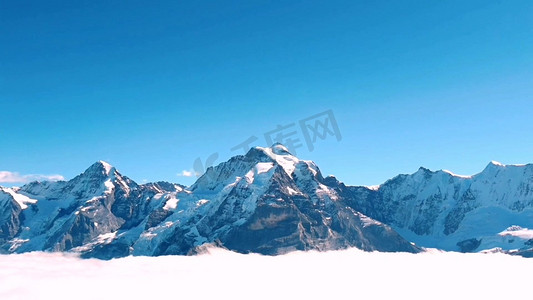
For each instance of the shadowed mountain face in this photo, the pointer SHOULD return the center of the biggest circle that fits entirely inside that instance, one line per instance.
(270, 202)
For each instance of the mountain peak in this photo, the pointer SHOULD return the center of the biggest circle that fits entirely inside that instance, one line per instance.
(280, 149)
(107, 167)
(423, 169)
(493, 168)
(100, 168)
(495, 163)
(281, 155)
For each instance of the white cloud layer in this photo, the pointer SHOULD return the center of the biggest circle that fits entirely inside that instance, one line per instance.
(350, 274)
(14, 177)
(186, 173)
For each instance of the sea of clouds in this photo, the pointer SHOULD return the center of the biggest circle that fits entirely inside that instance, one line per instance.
(220, 274)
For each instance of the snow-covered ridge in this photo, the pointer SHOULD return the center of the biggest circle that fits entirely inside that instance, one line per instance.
(281, 155)
(456, 175)
(107, 167)
(493, 165)
(22, 200)
(373, 187)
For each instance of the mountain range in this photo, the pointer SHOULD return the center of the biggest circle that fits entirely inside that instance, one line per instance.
(268, 201)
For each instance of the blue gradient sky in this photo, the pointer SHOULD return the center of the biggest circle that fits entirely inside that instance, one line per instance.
(151, 87)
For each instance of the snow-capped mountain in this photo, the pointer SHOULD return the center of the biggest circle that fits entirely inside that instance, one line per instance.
(267, 201)
(492, 209)
(63, 215)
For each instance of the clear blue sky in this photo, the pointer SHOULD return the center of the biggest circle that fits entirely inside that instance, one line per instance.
(150, 86)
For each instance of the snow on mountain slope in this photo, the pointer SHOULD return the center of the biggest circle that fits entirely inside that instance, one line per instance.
(21, 200)
(271, 202)
(267, 201)
(447, 211)
(64, 215)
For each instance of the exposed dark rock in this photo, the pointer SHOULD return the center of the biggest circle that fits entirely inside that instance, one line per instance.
(469, 245)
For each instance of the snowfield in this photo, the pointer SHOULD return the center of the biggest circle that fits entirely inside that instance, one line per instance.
(220, 274)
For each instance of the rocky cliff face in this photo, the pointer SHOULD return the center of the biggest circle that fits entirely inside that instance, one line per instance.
(10, 218)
